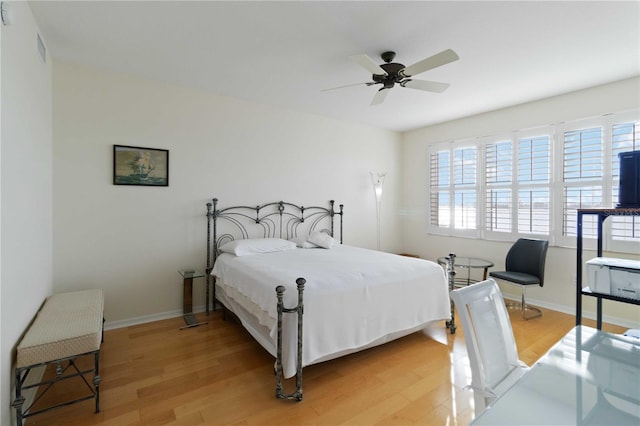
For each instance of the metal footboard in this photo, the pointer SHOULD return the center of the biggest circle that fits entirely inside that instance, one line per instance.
(299, 309)
(272, 220)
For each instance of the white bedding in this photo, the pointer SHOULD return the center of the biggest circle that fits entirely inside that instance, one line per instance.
(353, 297)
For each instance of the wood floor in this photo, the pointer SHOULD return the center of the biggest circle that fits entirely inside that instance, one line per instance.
(216, 374)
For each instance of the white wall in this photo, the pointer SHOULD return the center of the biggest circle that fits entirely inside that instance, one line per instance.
(26, 171)
(559, 290)
(131, 241)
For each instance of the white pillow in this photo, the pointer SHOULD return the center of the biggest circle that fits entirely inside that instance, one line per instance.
(302, 242)
(321, 239)
(256, 246)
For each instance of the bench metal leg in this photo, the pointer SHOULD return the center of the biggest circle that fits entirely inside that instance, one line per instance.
(97, 380)
(69, 371)
(19, 401)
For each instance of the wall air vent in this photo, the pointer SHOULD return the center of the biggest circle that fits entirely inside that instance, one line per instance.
(42, 50)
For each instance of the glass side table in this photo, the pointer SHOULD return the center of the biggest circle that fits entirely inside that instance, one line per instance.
(462, 262)
(187, 297)
(468, 263)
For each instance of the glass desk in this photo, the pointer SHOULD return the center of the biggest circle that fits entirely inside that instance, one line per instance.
(187, 297)
(589, 377)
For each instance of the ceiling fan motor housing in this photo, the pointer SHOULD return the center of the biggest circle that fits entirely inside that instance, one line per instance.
(392, 69)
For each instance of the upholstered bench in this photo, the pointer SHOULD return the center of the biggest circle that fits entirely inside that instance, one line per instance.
(68, 326)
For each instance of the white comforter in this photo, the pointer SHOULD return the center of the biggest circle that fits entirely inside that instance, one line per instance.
(352, 298)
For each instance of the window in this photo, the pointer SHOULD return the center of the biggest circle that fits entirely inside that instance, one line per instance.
(464, 188)
(499, 178)
(530, 184)
(624, 137)
(534, 177)
(582, 178)
(440, 189)
(453, 189)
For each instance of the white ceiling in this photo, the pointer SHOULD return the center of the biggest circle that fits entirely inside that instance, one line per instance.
(284, 53)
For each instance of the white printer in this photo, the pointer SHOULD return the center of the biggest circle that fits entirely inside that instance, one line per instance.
(618, 277)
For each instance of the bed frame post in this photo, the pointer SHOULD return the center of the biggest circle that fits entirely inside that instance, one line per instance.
(299, 309)
(451, 275)
(211, 280)
(333, 213)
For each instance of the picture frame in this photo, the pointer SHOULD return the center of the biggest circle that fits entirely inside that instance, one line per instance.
(134, 165)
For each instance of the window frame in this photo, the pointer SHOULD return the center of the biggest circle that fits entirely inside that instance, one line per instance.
(487, 186)
(555, 186)
(547, 185)
(559, 195)
(450, 230)
(610, 243)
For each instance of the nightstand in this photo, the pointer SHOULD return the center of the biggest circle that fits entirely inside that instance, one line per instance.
(187, 297)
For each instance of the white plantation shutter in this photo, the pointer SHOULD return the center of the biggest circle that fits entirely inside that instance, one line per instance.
(464, 188)
(440, 189)
(498, 183)
(530, 183)
(625, 137)
(582, 178)
(453, 193)
(534, 177)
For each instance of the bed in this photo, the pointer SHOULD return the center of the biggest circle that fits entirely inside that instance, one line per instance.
(306, 297)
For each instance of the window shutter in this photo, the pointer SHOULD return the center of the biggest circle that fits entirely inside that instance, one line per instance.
(503, 187)
(440, 177)
(534, 176)
(625, 137)
(534, 162)
(498, 181)
(583, 155)
(465, 192)
(464, 166)
(582, 176)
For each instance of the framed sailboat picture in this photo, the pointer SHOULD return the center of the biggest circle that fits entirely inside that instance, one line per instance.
(133, 165)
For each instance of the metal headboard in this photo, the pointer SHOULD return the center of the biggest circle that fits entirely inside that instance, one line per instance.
(272, 220)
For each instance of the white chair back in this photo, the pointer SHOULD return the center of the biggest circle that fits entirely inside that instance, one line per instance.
(488, 335)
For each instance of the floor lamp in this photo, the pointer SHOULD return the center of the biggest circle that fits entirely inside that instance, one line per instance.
(377, 178)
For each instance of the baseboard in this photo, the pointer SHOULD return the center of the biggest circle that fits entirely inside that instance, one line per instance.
(571, 311)
(112, 325)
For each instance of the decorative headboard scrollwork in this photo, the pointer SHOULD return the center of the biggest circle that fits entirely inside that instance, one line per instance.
(272, 220)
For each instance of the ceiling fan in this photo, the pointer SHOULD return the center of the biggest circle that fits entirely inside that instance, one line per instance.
(390, 73)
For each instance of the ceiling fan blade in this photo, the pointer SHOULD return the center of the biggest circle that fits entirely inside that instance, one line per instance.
(429, 86)
(431, 62)
(367, 63)
(378, 98)
(348, 85)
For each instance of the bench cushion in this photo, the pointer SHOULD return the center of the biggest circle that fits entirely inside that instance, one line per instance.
(68, 324)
